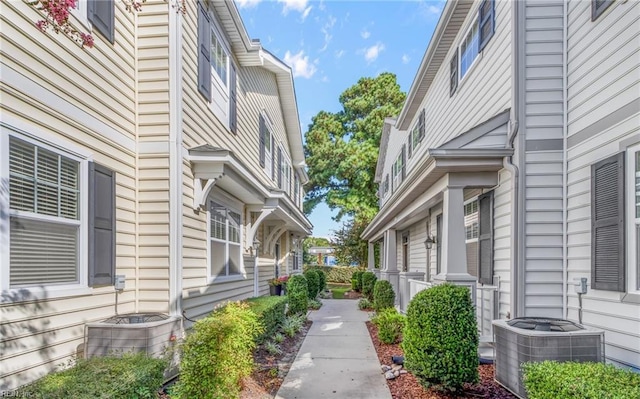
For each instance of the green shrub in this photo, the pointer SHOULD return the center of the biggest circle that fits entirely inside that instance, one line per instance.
(368, 281)
(383, 295)
(335, 274)
(134, 376)
(314, 304)
(270, 311)
(358, 283)
(570, 380)
(354, 284)
(218, 353)
(323, 280)
(440, 338)
(364, 304)
(297, 292)
(293, 324)
(390, 324)
(313, 283)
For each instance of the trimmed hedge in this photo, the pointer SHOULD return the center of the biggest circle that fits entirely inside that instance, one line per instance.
(335, 274)
(383, 295)
(440, 338)
(368, 281)
(270, 311)
(134, 376)
(313, 283)
(298, 293)
(390, 325)
(218, 353)
(571, 380)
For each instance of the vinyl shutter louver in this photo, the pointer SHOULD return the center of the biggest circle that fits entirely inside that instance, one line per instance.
(204, 52)
(404, 161)
(485, 238)
(453, 73)
(421, 124)
(608, 224)
(409, 144)
(101, 14)
(486, 20)
(279, 170)
(233, 116)
(102, 237)
(273, 160)
(262, 128)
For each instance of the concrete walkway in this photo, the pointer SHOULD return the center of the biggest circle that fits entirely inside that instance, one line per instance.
(337, 358)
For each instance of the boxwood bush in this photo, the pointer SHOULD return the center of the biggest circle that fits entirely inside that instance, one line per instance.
(313, 283)
(323, 280)
(440, 338)
(368, 281)
(383, 295)
(270, 311)
(134, 376)
(298, 294)
(390, 325)
(571, 380)
(358, 280)
(218, 353)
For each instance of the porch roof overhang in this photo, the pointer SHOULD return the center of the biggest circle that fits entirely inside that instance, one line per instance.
(214, 166)
(468, 167)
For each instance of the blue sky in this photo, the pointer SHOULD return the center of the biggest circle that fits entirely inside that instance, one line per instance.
(330, 44)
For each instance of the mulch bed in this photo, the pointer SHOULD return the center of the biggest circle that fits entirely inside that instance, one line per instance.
(352, 295)
(406, 386)
(271, 369)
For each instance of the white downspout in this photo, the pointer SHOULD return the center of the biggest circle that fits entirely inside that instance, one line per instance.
(175, 163)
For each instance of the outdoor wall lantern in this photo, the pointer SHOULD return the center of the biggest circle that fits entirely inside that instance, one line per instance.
(256, 245)
(428, 243)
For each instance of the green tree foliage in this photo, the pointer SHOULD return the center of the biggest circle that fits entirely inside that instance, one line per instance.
(342, 148)
(349, 247)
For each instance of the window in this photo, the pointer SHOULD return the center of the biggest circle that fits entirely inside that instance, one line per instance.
(225, 251)
(397, 169)
(385, 189)
(471, 220)
(633, 211)
(284, 180)
(417, 134)
(598, 7)
(266, 147)
(216, 72)
(44, 204)
(469, 49)
(296, 189)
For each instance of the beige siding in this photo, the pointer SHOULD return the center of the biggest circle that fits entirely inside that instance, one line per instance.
(603, 77)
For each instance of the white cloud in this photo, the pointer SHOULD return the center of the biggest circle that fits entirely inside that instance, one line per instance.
(372, 53)
(339, 53)
(326, 30)
(297, 5)
(365, 33)
(247, 3)
(300, 64)
(405, 59)
(325, 79)
(305, 13)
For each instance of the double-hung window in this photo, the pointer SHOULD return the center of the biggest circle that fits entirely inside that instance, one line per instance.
(225, 226)
(633, 211)
(469, 49)
(471, 220)
(397, 169)
(266, 146)
(44, 215)
(417, 133)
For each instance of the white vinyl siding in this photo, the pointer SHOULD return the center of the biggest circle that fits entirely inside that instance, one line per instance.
(44, 198)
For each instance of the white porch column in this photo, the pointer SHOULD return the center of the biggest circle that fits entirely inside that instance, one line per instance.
(390, 272)
(454, 249)
(371, 257)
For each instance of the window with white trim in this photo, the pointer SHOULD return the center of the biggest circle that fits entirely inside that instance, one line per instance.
(268, 153)
(44, 214)
(225, 229)
(417, 133)
(633, 218)
(396, 171)
(471, 220)
(469, 49)
(219, 58)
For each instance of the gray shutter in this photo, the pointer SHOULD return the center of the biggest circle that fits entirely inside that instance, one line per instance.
(404, 159)
(409, 144)
(607, 224)
(101, 14)
(279, 171)
(204, 55)
(453, 73)
(486, 20)
(262, 140)
(438, 244)
(273, 157)
(485, 238)
(421, 124)
(102, 220)
(233, 116)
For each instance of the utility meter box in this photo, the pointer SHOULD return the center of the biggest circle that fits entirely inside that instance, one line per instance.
(120, 281)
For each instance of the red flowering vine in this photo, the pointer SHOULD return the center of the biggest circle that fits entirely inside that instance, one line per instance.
(56, 14)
